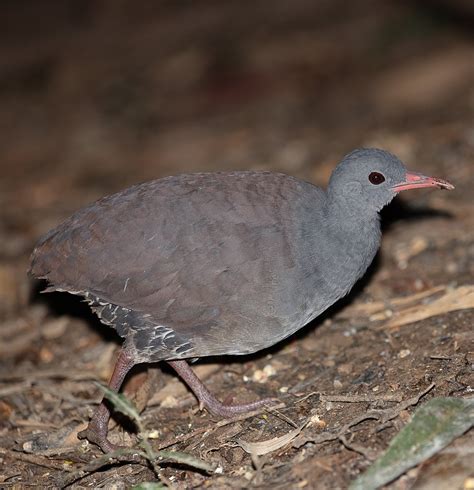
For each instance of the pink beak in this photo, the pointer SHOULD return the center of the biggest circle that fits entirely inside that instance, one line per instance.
(414, 180)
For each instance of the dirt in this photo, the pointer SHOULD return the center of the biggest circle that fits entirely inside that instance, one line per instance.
(96, 96)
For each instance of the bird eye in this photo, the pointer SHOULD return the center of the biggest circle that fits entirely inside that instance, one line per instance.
(376, 178)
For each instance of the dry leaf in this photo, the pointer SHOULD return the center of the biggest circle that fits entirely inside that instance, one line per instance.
(378, 307)
(405, 310)
(265, 447)
(456, 299)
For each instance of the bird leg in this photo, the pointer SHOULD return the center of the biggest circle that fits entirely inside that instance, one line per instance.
(98, 427)
(207, 399)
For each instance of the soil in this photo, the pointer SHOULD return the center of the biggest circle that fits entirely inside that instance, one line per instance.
(96, 96)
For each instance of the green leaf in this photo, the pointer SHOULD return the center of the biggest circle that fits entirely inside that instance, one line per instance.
(121, 403)
(186, 459)
(432, 427)
(149, 485)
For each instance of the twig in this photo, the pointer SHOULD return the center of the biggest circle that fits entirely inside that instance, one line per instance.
(362, 398)
(283, 417)
(365, 451)
(15, 388)
(382, 415)
(33, 459)
(214, 426)
(353, 398)
(309, 395)
(120, 456)
(75, 375)
(64, 395)
(33, 423)
(394, 412)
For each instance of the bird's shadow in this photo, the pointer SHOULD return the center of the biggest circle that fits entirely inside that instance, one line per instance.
(400, 210)
(62, 303)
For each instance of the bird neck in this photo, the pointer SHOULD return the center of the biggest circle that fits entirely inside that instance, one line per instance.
(353, 238)
(335, 248)
(349, 218)
(351, 201)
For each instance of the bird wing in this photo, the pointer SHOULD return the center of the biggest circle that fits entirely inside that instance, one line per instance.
(200, 250)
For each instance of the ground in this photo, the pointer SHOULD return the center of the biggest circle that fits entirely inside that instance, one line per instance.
(96, 96)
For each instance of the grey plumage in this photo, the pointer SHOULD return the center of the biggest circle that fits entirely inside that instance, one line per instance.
(225, 263)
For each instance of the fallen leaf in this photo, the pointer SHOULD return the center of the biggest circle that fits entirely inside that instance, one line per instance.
(433, 426)
(460, 298)
(411, 309)
(377, 307)
(264, 447)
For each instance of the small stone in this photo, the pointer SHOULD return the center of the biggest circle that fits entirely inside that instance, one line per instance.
(154, 434)
(269, 370)
(28, 446)
(404, 353)
(46, 355)
(315, 420)
(337, 384)
(262, 375)
(468, 484)
(169, 402)
(329, 406)
(259, 376)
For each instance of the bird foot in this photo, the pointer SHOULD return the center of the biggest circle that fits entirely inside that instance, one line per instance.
(99, 438)
(224, 410)
(208, 400)
(97, 430)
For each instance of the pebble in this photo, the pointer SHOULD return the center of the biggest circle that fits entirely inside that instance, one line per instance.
(404, 353)
(262, 375)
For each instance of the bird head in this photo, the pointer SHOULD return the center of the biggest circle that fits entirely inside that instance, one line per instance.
(369, 178)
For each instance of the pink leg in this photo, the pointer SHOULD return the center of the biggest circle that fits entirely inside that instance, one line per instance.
(206, 398)
(97, 429)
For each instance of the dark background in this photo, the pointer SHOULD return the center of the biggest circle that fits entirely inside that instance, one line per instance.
(97, 95)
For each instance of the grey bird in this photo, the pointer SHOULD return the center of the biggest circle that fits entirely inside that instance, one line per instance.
(212, 264)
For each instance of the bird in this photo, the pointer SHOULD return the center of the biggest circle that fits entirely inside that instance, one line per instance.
(224, 263)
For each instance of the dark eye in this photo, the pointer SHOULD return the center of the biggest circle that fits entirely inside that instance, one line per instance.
(376, 178)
